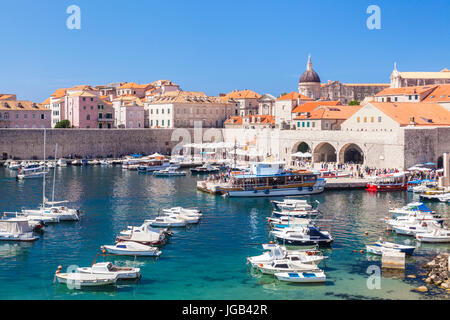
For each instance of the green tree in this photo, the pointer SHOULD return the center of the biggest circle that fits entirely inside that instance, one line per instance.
(283, 94)
(354, 103)
(63, 124)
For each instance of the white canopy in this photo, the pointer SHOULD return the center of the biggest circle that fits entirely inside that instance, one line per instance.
(301, 155)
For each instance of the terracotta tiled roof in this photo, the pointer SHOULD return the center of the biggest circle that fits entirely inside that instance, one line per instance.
(46, 102)
(7, 96)
(184, 97)
(310, 106)
(245, 94)
(163, 82)
(59, 93)
(425, 114)
(21, 105)
(294, 96)
(264, 119)
(82, 94)
(440, 94)
(330, 112)
(406, 90)
(129, 100)
(132, 85)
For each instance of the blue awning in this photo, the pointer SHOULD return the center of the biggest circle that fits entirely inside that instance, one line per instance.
(424, 208)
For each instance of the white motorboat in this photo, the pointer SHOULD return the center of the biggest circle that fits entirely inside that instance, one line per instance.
(107, 268)
(409, 220)
(292, 205)
(413, 229)
(62, 162)
(302, 236)
(144, 234)
(296, 213)
(79, 280)
(34, 223)
(396, 246)
(189, 212)
(377, 250)
(302, 277)
(14, 165)
(436, 235)
(287, 221)
(277, 266)
(31, 172)
(169, 172)
(412, 208)
(168, 222)
(105, 163)
(277, 252)
(128, 248)
(16, 230)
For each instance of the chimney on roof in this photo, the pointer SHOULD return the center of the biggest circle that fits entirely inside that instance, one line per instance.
(307, 115)
(411, 121)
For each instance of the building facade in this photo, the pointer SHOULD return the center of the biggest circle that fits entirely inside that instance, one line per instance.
(24, 115)
(409, 79)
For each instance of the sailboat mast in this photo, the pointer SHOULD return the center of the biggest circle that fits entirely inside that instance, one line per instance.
(43, 176)
(54, 174)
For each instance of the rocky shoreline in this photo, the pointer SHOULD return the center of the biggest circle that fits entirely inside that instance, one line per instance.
(438, 274)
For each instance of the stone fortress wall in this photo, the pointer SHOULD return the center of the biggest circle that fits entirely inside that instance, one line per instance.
(400, 149)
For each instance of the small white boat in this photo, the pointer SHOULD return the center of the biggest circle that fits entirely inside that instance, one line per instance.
(128, 248)
(105, 163)
(377, 250)
(189, 212)
(107, 268)
(277, 252)
(438, 235)
(302, 277)
(167, 222)
(413, 229)
(285, 266)
(169, 172)
(62, 162)
(79, 280)
(31, 172)
(292, 205)
(144, 234)
(17, 230)
(60, 213)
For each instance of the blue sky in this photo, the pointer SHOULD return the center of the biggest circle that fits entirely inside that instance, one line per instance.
(214, 45)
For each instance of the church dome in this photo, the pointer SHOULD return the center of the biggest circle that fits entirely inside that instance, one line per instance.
(309, 75)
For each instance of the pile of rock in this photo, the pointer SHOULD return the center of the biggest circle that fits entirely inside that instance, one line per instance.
(439, 271)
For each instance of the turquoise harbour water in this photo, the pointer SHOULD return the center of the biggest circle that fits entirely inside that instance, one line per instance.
(207, 261)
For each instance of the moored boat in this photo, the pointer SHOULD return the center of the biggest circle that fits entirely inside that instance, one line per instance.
(271, 180)
(302, 277)
(388, 182)
(128, 248)
(107, 268)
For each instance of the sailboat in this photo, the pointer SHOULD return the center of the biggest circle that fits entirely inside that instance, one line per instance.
(53, 208)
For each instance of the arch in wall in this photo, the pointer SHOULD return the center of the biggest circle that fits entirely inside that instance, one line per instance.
(440, 162)
(351, 153)
(301, 146)
(325, 152)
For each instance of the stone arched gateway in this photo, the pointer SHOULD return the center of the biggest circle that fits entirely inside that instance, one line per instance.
(440, 162)
(301, 146)
(351, 153)
(325, 152)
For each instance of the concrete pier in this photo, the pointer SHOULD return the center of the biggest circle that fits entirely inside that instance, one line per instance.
(345, 183)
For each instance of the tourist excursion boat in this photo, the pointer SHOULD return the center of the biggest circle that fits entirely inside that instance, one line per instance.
(271, 180)
(153, 165)
(17, 230)
(301, 236)
(107, 268)
(302, 277)
(129, 248)
(169, 172)
(389, 182)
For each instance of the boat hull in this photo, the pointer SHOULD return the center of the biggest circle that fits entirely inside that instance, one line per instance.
(280, 192)
(302, 277)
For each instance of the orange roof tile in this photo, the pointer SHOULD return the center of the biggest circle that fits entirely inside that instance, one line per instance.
(264, 119)
(21, 105)
(330, 112)
(310, 106)
(294, 96)
(425, 114)
(132, 85)
(440, 94)
(245, 94)
(406, 90)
